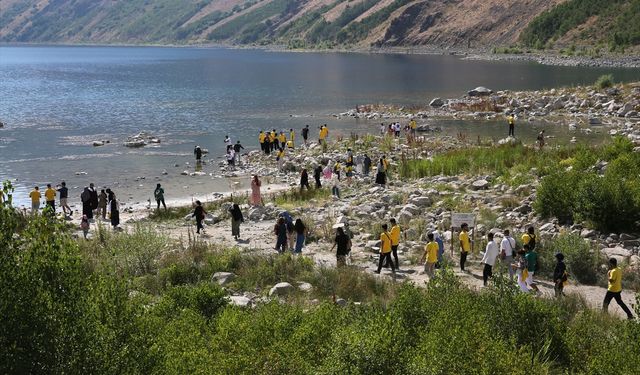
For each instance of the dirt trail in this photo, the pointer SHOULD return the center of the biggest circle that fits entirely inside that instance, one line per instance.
(257, 237)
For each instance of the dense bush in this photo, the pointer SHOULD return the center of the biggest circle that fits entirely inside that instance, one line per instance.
(60, 316)
(610, 201)
(604, 81)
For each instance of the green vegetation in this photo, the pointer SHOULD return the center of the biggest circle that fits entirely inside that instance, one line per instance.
(609, 201)
(604, 81)
(507, 50)
(87, 306)
(580, 257)
(617, 23)
(296, 198)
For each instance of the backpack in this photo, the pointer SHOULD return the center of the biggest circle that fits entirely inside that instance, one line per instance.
(532, 242)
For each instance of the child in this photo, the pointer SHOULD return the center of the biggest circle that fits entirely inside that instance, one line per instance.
(430, 255)
(84, 225)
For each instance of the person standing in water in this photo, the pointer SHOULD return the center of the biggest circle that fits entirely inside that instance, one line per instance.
(198, 154)
(158, 194)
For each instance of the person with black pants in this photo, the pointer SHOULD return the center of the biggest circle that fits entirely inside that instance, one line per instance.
(489, 258)
(385, 250)
(465, 245)
(199, 214)
(317, 172)
(304, 180)
(559, 275)
(614, 291)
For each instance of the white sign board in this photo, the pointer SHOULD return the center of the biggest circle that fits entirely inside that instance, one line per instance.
(457, 219)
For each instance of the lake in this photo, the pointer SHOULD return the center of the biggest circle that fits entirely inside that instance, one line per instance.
(57, 100)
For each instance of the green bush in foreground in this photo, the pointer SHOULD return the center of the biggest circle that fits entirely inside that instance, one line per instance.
(61, 316)
(604, 81)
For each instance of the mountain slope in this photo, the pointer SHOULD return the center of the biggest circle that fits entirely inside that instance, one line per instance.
(298, 23)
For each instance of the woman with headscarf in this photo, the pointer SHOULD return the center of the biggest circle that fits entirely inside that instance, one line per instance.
(236, 219)
(256, 198)
(301, 234)
(114, 210)
(280, 230)
(381, 175)
(304, 180)
(85, 198)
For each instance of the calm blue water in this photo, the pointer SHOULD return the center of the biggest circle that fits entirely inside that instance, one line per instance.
(56, 100)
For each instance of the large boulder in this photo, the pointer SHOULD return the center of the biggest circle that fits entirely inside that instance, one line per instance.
(437, 102)
(223, 278)
(281, 289)
(618, 252)
(412, 208)
(240, 301)
(480, 91)
(421, 201)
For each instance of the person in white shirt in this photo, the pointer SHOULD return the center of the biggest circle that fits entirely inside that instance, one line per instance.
(489, 258)
(507, 251)
(227, 142)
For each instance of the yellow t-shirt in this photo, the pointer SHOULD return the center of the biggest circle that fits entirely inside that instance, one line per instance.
(50, 194)
(281, 154)
(282, 138)
(431, 252)
(413, 124)
(395, 235)
(385, 247)
(385, 163)
(615, 280)
(292, 136)
(323, 133)
(35, 196)
(290, 144)
(511, 120)
(526, 238)
(465, 241)
(262, 137)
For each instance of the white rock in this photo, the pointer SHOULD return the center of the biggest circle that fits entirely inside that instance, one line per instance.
(481, 184)
(240, 301)
(223, 278)
(281, 289)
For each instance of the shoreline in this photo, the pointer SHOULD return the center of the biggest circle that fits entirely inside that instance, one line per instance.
(480, 53)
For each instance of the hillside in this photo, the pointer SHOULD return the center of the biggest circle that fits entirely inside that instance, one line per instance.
(302, 23)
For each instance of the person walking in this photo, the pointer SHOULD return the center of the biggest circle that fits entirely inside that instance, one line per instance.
(50, 198)
(529, 239)
(114, 211)
(430, 256)
(158, 194)
(304, 180)
(512, 122)
(381, 175)
(35, 196)
(94, 199)
(256, 197)
(84, 225)
(366, 165)
(507, 252)
(559, 275)
(395, 240)
(236, 219)
(102, 204)
(199, 213)
(465, 244)
(280, 230)
(197, 151)
(283, 140)
(64, 195)
(280, 159)
(614, 289)
(85, 198)
(385, 250)
(489, 258)
(261, 139)
(520, 266)
(305, 134)
(341, 241)
(335, 186)
(317, 172)
(301, 234)
(532, 267)
(236, 150)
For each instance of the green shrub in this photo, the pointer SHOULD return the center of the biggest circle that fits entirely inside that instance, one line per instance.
(604, 81)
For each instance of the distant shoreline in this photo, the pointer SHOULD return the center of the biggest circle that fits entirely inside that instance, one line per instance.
(484, 53)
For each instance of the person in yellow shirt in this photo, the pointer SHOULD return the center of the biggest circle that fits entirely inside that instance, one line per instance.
(614, 291)
(50, 198)
(283, 140)
(412, 128)
(430, 255)
(292, 137)
(511, 121)
(385, 249)
(395, 240)
(261, 138)
(273, 137)
(529, 239)
(35, 200)
(324, 132)
(465, 244)
(280, 159)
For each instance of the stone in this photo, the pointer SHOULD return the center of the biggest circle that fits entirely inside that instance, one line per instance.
(305, 287)
(281, 289)
(240, 301)
(97, 143)
(617, 252)
(594, 121)
(547, 227)
(421, 201)
(626, 108)
(634, 261)
(341, 302)
(626, 237)
(508, 141)
(437, 102)
(480, 91)
(223, 278)
(412, 208)
(481, 184)
(405, 216)
(524, 209)
(588, 233)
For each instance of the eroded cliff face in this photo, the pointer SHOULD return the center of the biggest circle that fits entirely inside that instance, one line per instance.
(306, 22)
